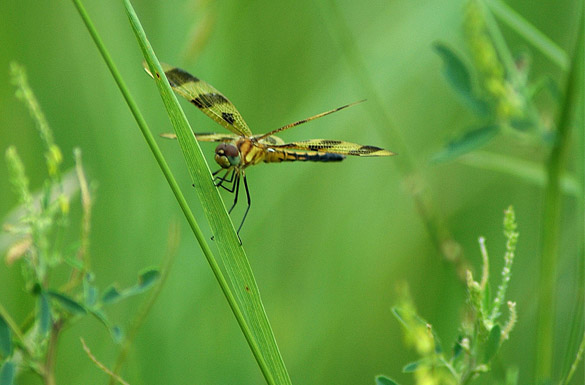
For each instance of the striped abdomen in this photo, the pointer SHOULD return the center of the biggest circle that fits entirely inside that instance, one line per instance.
(292, 156)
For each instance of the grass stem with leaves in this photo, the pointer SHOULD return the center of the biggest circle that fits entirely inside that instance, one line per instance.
(244, 300)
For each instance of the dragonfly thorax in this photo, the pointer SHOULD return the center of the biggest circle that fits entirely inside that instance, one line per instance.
(227, 155)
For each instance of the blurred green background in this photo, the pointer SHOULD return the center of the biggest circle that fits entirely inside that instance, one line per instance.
(329, 243)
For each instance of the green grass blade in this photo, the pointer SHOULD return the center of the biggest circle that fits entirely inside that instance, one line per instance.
(231, 252)
(529, 32)
(246, 305)
(553, 204)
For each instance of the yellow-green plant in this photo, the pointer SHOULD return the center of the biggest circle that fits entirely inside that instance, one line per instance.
(37, 230)
(481, 334)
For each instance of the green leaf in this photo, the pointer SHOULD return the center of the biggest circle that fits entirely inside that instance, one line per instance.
(383, 380)
(493, 343)
(457, 348)
(90, 292)
(111, 295)
(459, 77)
(67, 302)
(148, 278)
(5, 339)
(145, 281)
(525, 124)
(7, 373)
(116, 333)
(412, 366)
(44, 313)
(470, 141)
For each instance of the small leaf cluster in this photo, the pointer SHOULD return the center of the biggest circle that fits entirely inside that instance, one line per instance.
(495, 86)
(481, 333)
(37, 229)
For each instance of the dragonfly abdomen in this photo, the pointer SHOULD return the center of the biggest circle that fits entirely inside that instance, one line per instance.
(293, 156)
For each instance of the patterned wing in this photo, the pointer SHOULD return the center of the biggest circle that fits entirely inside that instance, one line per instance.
(334, 147)
(205, 97)
(207, 137)
(269, 140)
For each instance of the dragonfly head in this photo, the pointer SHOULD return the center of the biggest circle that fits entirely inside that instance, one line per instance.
(227, 155)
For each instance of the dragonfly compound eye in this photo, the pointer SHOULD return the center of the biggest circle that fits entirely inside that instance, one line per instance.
(227, 155)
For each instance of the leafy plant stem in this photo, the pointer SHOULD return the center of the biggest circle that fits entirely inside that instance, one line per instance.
(221, 236)
(539, 40)
(173, 244)
(500, 45)
(552, 216)
(49, 367)
(13, 326)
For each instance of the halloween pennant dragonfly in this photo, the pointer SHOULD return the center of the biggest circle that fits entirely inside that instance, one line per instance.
(241, 149)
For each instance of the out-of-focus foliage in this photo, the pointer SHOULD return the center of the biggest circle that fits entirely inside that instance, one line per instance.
(482, 333)
(327, 242)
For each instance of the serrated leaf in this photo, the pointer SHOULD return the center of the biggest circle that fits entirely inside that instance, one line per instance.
(5, 339)
(493, 343)
(459, 77)
(44, 313)
(7, 373)
(111, 295)
(383, 380)
(470, 141)
(67, 303)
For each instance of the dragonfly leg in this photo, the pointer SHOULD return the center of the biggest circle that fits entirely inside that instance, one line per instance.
(228, 181)
(236, 185)
(249, 204)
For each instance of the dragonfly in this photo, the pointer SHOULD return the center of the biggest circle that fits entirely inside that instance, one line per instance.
(241, 149)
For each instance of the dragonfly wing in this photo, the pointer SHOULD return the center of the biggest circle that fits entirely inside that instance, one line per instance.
(205, 97)
(269, 140)
(207, 137)
(335, 147)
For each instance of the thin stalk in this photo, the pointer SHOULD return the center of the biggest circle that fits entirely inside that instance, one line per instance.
(235, 261)
(576, 362)
(501, 45)
(171, 252)
(175, 188)
(532, 35)
(551, 229)
(410, 172)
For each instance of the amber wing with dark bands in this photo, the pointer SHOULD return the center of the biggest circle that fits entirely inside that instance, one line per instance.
(207, 137)
(335, 147)
(208, 99)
